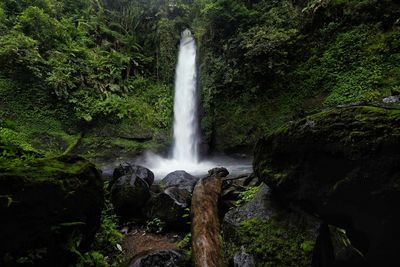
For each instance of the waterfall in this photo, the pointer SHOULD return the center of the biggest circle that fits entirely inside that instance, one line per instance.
(186, 136)
(185, 154)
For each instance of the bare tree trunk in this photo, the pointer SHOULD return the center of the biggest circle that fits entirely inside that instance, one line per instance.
(206, 237)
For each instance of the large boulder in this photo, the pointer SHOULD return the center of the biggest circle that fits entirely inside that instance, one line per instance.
(343, 165)
(129, 194)
(171, 207)
(260, 207)
(133, 170)
(49, 209)
(172, 203)
(180, 179)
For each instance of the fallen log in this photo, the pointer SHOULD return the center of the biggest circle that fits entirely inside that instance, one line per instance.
(206, 238)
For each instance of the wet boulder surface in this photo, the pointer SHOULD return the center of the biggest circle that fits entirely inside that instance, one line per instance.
(260, 207)
(128, 196)
(171, 201)
(341, 164)
(179, 179)
(171, 207)
(132, 169)
(49, 209)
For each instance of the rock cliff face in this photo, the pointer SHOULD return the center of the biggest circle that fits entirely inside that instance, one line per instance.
(50, 208)
(342, 165)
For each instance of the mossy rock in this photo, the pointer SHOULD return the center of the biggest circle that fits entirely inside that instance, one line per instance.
(272, 242)
(50, 209)
(342, 164)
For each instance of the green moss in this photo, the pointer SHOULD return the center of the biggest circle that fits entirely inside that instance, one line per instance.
(247, 195)
(41, 169)
(271, 244)
(12, 138)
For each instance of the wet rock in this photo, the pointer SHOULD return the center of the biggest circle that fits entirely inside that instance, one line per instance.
(243, 259)
(161, 258)
(46, 203)
(391, 99)
(128, 195)
(179, 179)
(170, 207)
(133, 170)
(344, 169)
(232, 187)
(221, 172)
(181, 196)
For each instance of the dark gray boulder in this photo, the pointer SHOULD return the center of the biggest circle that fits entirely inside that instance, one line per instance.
(260, 207)
(181, 196)
(391, 99)
(129, 194)
(133, 170)
(170, 207)
(160, 258)
(179, 179)
(243, 259)
(219, 171)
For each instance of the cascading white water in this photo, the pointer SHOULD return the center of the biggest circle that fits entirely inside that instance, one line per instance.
(186, 137)
(185, 155)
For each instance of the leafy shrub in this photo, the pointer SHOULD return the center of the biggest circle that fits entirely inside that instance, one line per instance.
(18, 53)
(93, 259)
(355, 86)
(12, 138)
(247, 195)
(185, 242)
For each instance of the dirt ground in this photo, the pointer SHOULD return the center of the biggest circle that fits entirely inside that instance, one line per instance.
(138, 242)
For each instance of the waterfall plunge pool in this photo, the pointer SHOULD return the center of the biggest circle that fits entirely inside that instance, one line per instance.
(235, 166)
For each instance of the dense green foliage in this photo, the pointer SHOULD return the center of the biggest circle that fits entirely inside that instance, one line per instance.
(66, 66)
(95, 77)
(264, 62)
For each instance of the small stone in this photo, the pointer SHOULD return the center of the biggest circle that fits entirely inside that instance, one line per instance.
(243, 259)
(391, 99)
